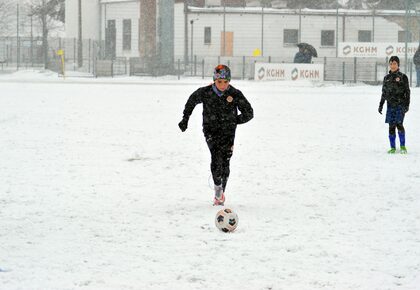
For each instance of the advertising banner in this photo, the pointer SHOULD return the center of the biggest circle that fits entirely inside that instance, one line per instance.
(372, 49)
(288, 71)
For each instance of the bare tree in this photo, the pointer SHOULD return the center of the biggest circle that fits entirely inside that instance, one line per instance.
(48, 13)
(7, 14)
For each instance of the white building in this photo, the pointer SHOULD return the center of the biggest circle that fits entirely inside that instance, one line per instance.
(118, 15)
(238, 31)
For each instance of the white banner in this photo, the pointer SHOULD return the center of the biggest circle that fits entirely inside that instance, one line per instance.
(288, 71)
(373, 49)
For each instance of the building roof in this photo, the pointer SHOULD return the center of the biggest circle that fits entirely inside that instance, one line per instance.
(116, 1)
(305, 11)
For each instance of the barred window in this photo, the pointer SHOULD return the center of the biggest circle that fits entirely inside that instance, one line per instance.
(327, 37)
(290, 36)
(401, 36)
(365, 36)
(207, 35)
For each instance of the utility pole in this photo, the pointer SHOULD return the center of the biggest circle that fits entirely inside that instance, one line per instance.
(336, 29)
(44, 33)
(406, 36)
(32, 42)
(262, 30)
(192, 40)
(79, 40)
(224, 28)
(17, 38)
(185, 32)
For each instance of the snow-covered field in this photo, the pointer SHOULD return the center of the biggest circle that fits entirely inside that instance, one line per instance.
(99, 189)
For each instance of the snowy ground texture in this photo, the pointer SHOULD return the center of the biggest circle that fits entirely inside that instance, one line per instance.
(99, 189)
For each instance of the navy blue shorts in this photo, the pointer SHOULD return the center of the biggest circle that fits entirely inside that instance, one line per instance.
(394, 115)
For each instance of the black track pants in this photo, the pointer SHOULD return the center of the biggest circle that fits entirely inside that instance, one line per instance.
(221, 149)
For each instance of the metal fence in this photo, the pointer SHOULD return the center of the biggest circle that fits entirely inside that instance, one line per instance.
(25, 52)
(367, 70)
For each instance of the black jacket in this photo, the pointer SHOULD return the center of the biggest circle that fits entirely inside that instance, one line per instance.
(302, 57)
(416, 58)
(395, 90)
(220, 113)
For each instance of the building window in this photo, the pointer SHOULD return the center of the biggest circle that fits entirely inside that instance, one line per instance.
(127, 34)
(401, 36)
(327, 37)
(365, 36)
(290, 36)
(207, 35)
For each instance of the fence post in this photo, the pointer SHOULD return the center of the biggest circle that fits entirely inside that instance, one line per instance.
(90, 52)
(253, 72)
(228, 63)
(411, 72)
(376, 72)
(269, 59)
(325, 67)
(344, 69)
(202, 68)
(386, 65)
(191, 65)
(8, 54)
(112, 68)
(195, 65)
(243, 67)
(218, 59)
(355, 70)
(94, 57)
(179, 69)
(74, 53)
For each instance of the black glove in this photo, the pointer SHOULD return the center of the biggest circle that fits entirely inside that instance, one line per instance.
(183, 125)
(380, 110)
(406, 110)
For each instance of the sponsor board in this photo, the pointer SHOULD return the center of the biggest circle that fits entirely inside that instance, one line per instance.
(372, 49)
(288, 71)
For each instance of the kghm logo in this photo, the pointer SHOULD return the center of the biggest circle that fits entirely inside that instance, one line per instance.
(346, 49)
(261, 73)
(295, 74)
(389, 50)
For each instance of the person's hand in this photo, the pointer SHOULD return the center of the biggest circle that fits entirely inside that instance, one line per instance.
(405, 109)
(380, 110)
(183, 125)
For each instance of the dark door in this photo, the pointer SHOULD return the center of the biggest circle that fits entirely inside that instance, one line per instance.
(110, 40)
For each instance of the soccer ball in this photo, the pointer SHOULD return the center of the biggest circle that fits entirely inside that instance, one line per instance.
(226, 220)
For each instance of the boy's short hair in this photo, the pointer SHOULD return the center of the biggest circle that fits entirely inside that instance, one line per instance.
(394, 58)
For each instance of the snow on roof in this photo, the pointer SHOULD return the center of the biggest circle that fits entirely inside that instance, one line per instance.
(306, 11)
(116, 1)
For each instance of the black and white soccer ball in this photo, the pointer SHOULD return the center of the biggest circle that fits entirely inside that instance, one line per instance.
(226, 220)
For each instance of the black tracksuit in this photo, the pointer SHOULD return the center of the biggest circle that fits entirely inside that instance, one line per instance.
(220, 118)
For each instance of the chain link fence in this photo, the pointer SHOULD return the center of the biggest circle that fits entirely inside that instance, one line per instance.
(26, 52)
